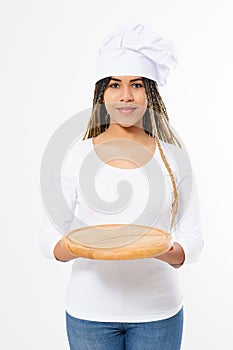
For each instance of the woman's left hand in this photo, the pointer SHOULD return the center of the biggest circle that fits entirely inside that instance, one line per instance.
(174, 256)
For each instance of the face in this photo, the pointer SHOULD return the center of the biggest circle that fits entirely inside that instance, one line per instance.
(125, 100)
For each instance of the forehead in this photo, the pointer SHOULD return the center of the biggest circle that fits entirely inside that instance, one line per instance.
(126, 78)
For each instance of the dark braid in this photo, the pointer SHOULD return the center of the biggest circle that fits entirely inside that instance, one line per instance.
(160, 117)
(155, 123)
(97, 123)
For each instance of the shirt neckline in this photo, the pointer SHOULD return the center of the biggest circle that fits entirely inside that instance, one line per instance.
(122, 169)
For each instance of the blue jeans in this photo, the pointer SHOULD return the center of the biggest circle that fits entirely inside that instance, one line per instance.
(157, 335)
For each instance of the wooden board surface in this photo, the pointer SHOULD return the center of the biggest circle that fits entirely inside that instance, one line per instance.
(117, 242)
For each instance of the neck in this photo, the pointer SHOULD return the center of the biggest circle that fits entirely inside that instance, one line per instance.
(131, 132)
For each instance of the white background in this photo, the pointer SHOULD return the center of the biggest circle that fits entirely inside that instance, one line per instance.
(48, 52)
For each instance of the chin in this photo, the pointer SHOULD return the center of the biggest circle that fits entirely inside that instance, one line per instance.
(125, 125)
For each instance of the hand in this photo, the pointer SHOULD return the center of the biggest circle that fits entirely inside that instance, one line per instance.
(174, 256)
(61, 254)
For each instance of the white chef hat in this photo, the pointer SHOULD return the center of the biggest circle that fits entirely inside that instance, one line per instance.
(135, 50)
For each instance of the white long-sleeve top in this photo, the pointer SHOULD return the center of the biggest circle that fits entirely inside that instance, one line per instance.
(138, 290)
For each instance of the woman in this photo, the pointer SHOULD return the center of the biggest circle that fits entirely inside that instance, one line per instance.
(131, 304)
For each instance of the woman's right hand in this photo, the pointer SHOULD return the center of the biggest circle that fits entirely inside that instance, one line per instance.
(61, 254)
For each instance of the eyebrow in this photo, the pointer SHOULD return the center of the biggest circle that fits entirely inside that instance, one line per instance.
(115, 79)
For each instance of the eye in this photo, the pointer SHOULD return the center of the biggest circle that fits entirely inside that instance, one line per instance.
(113, 85)
(137, 85)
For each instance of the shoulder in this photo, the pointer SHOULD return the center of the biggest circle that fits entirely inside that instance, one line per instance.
(78, 147)
(178, 160)
(76, 152)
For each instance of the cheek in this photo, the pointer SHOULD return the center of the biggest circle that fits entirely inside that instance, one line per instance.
(141, 98)
(109, 108)
(109, 97)
(145, 101)
(109, 100)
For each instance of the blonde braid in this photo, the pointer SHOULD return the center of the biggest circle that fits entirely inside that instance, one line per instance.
(160, 130)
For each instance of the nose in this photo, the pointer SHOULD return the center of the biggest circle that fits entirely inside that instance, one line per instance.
(126, 95)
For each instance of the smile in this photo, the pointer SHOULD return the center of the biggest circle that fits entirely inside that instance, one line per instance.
(126, 110)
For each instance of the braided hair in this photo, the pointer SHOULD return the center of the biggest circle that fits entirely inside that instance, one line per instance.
(155, 123)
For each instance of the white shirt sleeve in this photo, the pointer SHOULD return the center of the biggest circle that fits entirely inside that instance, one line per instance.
(188, 231)
(51, 232)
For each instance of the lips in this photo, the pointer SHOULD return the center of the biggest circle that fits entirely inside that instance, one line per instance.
(127, 110)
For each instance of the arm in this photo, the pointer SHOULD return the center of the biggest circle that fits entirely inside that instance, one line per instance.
(188, 232)
(53, 230)
(188, 240)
